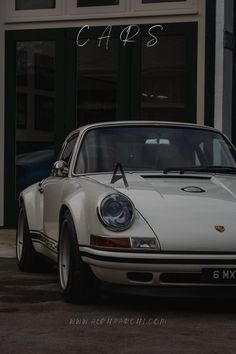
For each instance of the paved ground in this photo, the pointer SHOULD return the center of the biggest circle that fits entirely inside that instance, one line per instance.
(34, 319)
(7, 243)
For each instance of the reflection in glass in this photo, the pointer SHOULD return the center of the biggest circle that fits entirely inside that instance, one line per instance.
(84, 3)
(21, 67)
(34, 4)
(21, 118)
(44, 113)
(35, 78)
(163, 84)
(34, 164)
(44, 72)
(97, 76)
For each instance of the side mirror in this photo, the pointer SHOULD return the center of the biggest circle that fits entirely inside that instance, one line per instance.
(60, 169)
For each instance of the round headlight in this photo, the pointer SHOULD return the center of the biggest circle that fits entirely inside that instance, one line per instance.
(116, 212)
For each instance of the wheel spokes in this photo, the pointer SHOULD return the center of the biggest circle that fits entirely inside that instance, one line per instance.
(64, 257)
(20, 235)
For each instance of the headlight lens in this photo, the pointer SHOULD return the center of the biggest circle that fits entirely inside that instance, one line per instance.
(116, 212)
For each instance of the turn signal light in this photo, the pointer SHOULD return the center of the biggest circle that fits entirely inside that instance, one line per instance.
(149, 243)
(110, 242)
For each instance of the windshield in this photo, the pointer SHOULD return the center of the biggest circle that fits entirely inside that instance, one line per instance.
(152, 148)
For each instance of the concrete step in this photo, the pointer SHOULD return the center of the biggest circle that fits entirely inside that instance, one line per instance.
(7, 243)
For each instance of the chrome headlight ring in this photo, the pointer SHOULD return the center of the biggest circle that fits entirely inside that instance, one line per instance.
(116, 212)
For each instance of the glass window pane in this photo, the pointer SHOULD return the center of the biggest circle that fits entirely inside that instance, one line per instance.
(34, 4)
(44, 71)
(163, 84)
(44, 113)
(97, 76)
(84, 3)
(22, 110)
(67, 152)
(35, 110)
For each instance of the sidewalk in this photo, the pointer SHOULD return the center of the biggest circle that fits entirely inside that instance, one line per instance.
(7, 243)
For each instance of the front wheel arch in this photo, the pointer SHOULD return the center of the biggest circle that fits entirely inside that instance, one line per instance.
(80, 284)
(28, 260)
(63, 210)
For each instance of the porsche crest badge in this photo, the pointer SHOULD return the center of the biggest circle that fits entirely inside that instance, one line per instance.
(220, 228)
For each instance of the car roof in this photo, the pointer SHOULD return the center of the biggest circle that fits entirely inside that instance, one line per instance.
(140, 122)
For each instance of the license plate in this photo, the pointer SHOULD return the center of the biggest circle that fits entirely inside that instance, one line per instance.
(219, 275)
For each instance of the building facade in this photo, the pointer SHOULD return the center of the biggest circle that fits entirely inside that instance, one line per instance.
(72, 62)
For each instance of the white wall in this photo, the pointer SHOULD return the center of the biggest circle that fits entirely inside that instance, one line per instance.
(2, 73)
(223, 68)
(219, 58)
(228, 71)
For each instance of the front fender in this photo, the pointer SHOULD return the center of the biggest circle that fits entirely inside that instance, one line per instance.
(83, 208)
(76, 205)
(33, 202)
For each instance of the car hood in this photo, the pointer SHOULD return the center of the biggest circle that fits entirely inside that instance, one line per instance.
(199, 219)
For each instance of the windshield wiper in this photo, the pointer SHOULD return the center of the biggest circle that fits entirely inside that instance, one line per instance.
(210, 169)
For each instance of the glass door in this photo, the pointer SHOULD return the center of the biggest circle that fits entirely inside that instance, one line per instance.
(168, 72)
(57, 81)
(143, 72)
(35, 110)
(97, 82)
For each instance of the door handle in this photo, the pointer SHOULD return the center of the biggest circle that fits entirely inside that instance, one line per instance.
(40, 188)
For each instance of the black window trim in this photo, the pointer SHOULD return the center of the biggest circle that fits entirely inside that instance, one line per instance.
(71, 137)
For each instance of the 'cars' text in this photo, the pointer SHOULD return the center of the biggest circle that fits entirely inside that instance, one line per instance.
(127, 35)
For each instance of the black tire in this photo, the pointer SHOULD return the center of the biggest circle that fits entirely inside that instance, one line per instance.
(27, 258)
(78, 283)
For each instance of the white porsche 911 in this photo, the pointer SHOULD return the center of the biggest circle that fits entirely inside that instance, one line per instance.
(144, 207)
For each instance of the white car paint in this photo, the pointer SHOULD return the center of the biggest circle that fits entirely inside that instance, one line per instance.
(183, 223)
(179, 219)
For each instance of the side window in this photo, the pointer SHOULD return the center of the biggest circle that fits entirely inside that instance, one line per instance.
(68, 149)
(221, 153)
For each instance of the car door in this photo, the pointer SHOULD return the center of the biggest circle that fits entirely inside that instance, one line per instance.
(53, 191)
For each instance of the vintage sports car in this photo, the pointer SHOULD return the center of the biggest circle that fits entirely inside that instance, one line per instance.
(144, 207)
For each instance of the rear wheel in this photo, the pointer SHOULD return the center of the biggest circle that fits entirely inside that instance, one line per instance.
(78, 283)
(27, 259)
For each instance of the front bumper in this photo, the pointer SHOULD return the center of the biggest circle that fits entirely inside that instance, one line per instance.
(158, 270)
